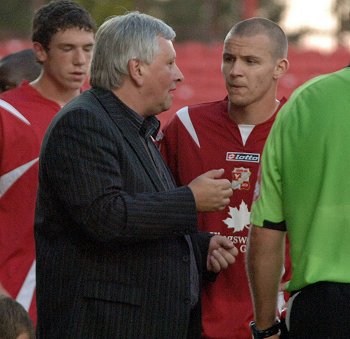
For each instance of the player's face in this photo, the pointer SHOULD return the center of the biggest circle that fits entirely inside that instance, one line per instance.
(248, 67)
(161, 78)
(67, 61)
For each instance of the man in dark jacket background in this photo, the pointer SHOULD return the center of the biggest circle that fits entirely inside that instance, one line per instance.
(118, 250)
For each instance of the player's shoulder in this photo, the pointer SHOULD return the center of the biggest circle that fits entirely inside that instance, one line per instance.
(195, 114)
(202, 109)
(13, 101)
(16, 96)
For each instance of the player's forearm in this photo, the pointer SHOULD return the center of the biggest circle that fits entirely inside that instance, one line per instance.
(265, 258)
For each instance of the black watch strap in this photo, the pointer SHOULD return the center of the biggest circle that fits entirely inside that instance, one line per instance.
(259, 334)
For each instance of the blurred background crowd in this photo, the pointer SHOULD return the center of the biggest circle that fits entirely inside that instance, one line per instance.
(317, 30)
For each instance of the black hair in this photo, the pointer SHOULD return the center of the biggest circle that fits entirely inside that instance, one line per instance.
(17, 66)
(59, 15)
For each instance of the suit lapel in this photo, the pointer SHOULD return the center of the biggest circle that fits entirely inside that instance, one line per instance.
(119, 115)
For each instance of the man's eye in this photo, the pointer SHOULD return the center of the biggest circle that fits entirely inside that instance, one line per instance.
(88, 48)
(251, 61)
(227, 59)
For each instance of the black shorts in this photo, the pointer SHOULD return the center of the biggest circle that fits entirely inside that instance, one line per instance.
(321, 311)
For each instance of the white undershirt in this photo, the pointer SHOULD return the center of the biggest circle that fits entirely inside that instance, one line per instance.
(245, 131)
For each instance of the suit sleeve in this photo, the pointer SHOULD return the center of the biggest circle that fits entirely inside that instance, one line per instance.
(104, 189)
(202, 240)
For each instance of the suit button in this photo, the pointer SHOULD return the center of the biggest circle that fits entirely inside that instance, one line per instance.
(187, 301)
(185, 258)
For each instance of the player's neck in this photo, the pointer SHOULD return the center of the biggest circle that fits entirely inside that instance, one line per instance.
(253, 114)
(54, 92)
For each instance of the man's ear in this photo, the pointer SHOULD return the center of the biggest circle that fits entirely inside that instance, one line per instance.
(135, 71)
(40, 52)
(281, 68)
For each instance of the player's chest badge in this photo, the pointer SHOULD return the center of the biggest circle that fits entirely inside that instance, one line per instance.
(240, 178)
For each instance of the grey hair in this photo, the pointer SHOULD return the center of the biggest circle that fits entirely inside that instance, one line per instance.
(122, 38)
(257, 25)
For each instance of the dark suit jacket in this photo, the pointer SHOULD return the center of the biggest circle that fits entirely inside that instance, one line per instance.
(112, 261)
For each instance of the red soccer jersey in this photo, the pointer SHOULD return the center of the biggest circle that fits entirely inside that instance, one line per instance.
(24, 117)
(198, 139)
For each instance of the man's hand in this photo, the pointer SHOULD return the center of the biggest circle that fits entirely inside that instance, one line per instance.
(210, 192)
(221, 253)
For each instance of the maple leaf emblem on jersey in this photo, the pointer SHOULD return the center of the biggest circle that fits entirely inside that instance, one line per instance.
(239, 217)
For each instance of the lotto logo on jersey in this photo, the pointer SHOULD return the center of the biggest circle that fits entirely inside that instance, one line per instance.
(239, 156)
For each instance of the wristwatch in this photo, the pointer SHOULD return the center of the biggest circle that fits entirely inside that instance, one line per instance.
(259, 334)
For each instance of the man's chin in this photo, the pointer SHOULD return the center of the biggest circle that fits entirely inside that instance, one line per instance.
(164, 107)
(76, 86)
(237, 100)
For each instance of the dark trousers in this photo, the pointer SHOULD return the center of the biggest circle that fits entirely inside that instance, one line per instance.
(194, 326)
(320, 311)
